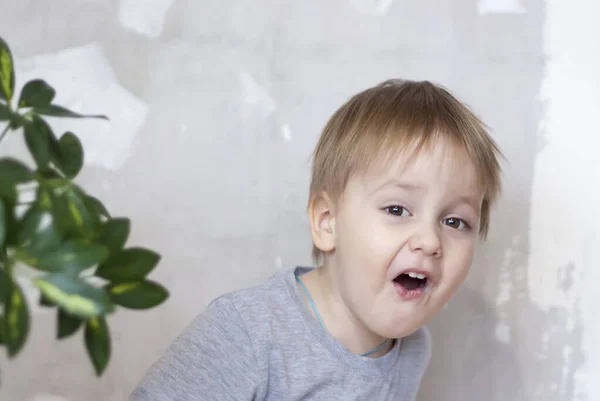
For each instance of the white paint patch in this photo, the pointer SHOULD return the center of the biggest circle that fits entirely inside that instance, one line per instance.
(86, 83)
(507, 275)
(286, 133)
(500, 7)
(502, 332)
(256, 100)
(144, 17)
(565, 212)
(377, 8)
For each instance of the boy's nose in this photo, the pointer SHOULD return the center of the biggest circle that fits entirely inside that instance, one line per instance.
(426, 239)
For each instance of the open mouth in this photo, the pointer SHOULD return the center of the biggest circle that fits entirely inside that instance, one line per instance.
(411, 281)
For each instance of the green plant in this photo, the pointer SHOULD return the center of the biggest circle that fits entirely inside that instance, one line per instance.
(65, 236)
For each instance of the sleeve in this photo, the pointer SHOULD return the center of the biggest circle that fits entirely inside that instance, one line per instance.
(213, 359)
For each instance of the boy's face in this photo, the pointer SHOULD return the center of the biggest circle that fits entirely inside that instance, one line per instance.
(420, 218)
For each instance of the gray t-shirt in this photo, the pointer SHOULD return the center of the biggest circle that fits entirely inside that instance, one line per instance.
(263, 344)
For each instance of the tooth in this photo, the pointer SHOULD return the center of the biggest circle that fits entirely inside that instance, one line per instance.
(421, 276)
(412, 274)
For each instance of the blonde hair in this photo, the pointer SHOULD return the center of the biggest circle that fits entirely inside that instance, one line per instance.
(377, 123)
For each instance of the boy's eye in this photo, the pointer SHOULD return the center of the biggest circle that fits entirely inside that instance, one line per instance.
(456, 223)
(397, 210)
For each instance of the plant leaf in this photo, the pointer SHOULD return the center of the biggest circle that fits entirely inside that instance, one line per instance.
(40, 125)
(144, 294)
(14, 172)
(7, 72)
(8, 196)
(67, 325)
(72, 257)
(75, 296)
(38, 141)
(114, 234)
(3, 228)
(95, 206)
(36, 93)
(59, 111)
(36, 234)
(97, 343)
(72, 214)
(5, 285)
(28, 225)
(72, 154)
(4, 112)
(44, 196)
(2, 328)
(16, 320)
(49, 173)
(131, 264)
(16, 120)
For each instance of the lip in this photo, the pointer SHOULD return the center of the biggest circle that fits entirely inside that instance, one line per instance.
(417, 293)
(409, 295)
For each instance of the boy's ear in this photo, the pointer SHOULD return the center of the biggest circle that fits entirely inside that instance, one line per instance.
(322, 222)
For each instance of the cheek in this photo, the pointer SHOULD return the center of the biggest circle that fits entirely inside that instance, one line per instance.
(371, 239)
(458, 263)
(370, 254)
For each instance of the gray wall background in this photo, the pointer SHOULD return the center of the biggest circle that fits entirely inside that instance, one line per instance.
(215, 108)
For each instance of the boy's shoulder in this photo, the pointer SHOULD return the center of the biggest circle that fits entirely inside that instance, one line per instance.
(272, 301)
(268, 293)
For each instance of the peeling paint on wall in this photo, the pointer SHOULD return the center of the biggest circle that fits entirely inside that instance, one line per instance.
(85, 83)
(502, 332)
(510, 279)
(256, 100)
(144, 17)
(500, 7)
(286, 133)
(565, 214)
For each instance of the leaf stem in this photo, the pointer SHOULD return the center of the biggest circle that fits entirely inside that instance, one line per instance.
(4, 132)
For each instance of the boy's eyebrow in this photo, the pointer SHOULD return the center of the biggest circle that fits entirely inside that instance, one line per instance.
(397, 183)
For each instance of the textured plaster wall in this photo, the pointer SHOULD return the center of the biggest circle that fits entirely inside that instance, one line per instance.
(214, 109)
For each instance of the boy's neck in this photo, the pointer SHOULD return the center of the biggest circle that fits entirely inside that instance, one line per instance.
(337, 318)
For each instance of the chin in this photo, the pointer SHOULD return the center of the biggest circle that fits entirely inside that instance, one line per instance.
(402, 324)
(399, 332)
(409, 329)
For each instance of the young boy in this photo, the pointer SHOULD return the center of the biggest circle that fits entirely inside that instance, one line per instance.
(403, 180)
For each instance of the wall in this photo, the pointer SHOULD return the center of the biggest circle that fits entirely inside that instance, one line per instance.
(214, 110)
